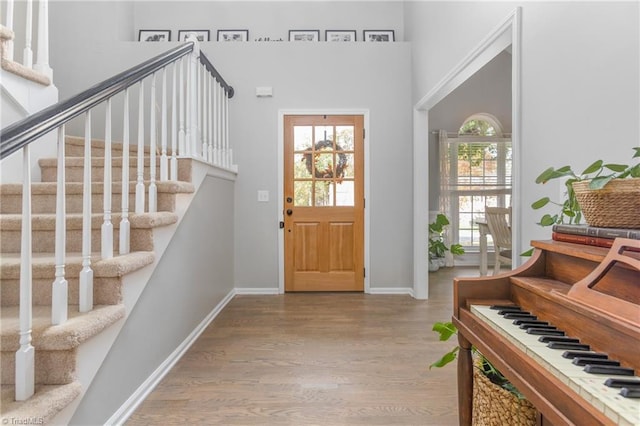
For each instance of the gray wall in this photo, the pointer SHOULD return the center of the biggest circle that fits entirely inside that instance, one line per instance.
(580, 86)
(370, 76)
(193, 276)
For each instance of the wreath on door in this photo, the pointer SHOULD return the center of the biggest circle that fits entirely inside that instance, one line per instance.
(317, 164)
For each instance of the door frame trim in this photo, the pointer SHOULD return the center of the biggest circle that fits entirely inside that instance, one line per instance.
(280, 165)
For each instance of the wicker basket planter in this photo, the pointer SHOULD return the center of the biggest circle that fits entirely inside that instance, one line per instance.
(617, 205)
(495, 406)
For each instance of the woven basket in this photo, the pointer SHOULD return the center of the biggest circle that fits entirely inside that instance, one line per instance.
(617, 205)
(495, 406)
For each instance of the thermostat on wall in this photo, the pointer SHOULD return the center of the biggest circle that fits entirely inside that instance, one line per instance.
(264, 92)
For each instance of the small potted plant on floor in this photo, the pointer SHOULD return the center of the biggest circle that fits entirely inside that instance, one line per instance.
(437, 246)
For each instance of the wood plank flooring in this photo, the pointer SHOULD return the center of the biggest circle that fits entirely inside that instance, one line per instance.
(315, 359)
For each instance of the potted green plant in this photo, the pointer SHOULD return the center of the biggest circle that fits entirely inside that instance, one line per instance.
(437, 246)
(606, 194)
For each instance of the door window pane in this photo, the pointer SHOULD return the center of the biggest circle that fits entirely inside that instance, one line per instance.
(302, 137)
(323, 133)
(302, 193)
(345, 193)
(300, 169)
(323, 193)
(344, 137)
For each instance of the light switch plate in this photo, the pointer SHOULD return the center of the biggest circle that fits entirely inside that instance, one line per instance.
(263, 196)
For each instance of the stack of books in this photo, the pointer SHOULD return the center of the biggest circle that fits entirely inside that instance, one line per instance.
(591, 235)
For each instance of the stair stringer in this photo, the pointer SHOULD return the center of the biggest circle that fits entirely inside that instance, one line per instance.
(170, 309)
(91, 354)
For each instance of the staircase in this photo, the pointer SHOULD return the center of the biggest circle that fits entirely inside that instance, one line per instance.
(58, 376)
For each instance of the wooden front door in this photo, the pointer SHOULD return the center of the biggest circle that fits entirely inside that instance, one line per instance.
(324, 203)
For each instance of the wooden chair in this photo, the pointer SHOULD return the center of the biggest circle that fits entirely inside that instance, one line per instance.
(498, 220)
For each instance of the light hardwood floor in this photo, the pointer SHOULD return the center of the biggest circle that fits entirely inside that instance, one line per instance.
(315, 359)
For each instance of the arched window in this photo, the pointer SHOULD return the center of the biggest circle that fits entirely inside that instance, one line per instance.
(475, 172)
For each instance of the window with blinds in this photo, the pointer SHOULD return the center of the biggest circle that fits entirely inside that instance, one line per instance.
(475, 171)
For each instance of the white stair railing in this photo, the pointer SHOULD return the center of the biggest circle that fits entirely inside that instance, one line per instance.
(198, 128)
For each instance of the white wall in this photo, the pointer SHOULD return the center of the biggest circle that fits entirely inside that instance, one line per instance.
(194, 275)
(580, 86)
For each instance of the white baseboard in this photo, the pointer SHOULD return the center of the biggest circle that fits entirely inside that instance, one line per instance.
(391, 290)
(257, 290)
(130, 405)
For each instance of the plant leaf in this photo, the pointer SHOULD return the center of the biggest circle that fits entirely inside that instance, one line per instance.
(616, 167)
(527, 253)
(637, 152)
(446, 358)
(597, 165)
(599, 182)
(445, 330)
(548, 220)
(635, 171)
(540, 203)
(545, 176)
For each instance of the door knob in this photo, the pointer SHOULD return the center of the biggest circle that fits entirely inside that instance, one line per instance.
(289, 212)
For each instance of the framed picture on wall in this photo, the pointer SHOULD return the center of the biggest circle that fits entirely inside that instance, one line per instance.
(340, 35)
(233, 35)
(304, 35)
(154, 35)
(201, 35)
(378, 35)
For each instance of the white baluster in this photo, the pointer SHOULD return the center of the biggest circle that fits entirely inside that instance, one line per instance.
(193, 100)
(226, 132)
(8, 44)
(181, 107)
(174, 131)
(140, 166)
(210, 120)
(42, 57)
(86, 274)
(25, 355)
(164, 162)
(60, 288)
(153, 190)
(27, 53)
(125, 226)
(188, 110)
(107, 226)
(216, 119)
(203, 106)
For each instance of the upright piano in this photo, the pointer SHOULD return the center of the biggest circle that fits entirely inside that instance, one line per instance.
(574, 349)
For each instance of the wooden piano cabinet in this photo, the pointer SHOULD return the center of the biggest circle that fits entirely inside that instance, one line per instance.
(544, 286)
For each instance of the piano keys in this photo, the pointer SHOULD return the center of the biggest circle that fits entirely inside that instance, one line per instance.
(621, 410)
(583, 300)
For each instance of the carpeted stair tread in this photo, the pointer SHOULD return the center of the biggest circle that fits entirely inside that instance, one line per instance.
(78, 328)
(44, 264)
(42, 407)
(74, 220)
(50, 188)
(6, 33)
(78, 142)
(22, 71)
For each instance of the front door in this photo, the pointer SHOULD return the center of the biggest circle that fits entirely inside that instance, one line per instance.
(324, 203)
